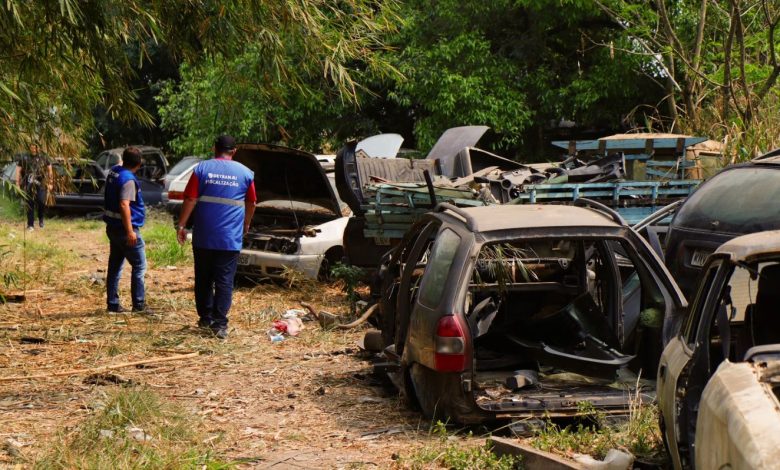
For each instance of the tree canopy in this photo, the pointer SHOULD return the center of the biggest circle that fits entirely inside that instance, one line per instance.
(312, 73)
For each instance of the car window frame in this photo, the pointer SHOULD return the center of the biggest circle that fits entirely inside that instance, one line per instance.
(426, 276)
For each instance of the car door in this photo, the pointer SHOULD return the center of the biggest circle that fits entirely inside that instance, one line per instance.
(679, 362)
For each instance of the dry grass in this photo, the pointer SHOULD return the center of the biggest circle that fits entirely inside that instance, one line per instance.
(305, 400)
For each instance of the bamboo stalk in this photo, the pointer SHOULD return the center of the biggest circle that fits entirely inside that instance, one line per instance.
(99, 369)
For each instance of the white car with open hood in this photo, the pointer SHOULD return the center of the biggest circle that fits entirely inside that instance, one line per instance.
(299, 222)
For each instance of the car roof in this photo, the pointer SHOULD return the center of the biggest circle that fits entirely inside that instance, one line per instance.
(142, 148)
(750, 246)
(519, 216)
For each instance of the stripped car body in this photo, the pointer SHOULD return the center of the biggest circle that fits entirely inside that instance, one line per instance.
(298, 222)
(523, 311)
(718, 377)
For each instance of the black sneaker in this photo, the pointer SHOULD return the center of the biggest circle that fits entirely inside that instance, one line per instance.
(204, 323)
(117, 310)
(221, 333)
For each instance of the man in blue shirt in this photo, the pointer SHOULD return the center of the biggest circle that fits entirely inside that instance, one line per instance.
(220, 197)
(124, 214)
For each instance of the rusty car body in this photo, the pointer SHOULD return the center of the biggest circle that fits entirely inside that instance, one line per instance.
(523, 311)
(719, 377)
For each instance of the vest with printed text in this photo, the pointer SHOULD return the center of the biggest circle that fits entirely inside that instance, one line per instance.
(115, 180)
(218, 217)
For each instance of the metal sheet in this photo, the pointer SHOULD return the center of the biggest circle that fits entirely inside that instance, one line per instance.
(453, 141)
(381, 146)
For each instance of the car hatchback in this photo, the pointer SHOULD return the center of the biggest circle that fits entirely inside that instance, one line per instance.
(523, 311)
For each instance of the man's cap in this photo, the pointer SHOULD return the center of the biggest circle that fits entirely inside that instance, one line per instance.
(225, 142)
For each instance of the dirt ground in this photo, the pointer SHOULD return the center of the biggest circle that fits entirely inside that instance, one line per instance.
(306, 402)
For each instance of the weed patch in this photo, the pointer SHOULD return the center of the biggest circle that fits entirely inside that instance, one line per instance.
(639, 435)
(133, 429)
(448, 453)
(162, 247)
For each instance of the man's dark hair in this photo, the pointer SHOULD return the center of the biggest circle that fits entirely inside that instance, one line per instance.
(131, 157)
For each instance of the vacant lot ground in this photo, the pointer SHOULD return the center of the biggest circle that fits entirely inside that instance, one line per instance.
(308, 402)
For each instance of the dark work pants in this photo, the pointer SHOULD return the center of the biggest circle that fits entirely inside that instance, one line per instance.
(215, 271)
(36, 200)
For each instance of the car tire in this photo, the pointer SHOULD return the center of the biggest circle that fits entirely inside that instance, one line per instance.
(332, 256)
(440, 396)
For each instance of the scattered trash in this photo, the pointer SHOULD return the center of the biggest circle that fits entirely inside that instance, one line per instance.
(614, 460)
(171, 268)
(32, 340)
(320, 391)
(521, 379)
(367, 436)
(295, 313)
(106, 378)
(138, 434)
(290, 325)
(13, 448)
(275, 336)
(106, 433)
(371, 400)
(96, 279)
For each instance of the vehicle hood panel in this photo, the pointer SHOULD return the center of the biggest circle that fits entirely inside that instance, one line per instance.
(453, 141)
(283, 173)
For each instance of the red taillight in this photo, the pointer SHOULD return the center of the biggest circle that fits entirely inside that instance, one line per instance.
(450, 345)
(175, 195)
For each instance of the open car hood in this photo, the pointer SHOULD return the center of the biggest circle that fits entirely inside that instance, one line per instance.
(381, 146)
(451, 142)
(283, 173)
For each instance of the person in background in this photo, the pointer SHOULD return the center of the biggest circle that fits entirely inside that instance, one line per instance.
(220, 197)
(124, 215)
(34, 176)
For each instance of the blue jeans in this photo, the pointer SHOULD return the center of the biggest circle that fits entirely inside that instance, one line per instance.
(215, 271)
(36, 199)
(136, 256)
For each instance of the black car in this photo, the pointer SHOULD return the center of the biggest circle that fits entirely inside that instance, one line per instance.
(82, 185)
(523, 312)
(740, 199)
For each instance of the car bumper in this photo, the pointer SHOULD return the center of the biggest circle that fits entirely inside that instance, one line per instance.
(273, 265)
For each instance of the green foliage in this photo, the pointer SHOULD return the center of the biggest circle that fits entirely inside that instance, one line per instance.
(447, 453)
(61, 59)
(294, 86)
(134, 428)
(351, 277)
(512, 65)
(162, 247)
(595, 435)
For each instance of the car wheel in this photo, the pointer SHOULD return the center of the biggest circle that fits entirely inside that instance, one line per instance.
(441, 396)
(332, 256)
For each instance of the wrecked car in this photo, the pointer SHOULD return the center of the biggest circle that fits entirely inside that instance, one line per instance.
(523, 312)
(718, 377)
(81, 184)
(738, 200)
(154, 165)
(298, 222)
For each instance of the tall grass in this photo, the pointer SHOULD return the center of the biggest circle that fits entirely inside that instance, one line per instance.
(162, 247)
(133, 429)
(639, 434)
(447, 453)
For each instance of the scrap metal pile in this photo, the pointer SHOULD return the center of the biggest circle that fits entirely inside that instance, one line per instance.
(391, 193)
